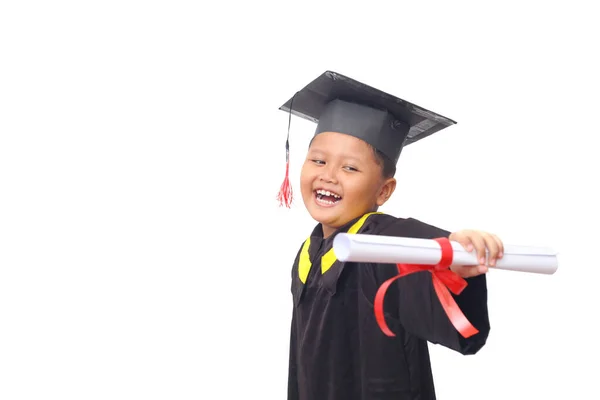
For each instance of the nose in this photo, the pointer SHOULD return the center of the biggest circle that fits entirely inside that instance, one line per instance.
(328, 174)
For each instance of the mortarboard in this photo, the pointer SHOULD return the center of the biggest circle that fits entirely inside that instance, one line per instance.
(340, 104)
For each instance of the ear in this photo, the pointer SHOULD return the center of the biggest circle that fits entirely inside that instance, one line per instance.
(386, 191)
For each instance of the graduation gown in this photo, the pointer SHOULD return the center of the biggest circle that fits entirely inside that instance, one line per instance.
(337, 350)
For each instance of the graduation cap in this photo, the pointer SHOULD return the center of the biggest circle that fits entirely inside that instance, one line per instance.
(340, 104)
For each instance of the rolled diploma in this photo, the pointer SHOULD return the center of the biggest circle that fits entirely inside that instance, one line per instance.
(404, 250)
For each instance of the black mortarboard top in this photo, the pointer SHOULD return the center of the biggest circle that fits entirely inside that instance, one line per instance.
(340, 104)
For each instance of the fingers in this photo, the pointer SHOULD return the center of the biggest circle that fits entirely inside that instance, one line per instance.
(486, 245)
(472, 240)
(470, 271)
(463, 239)
(481, 269)
(495, 248)
(500, 246)
(479, 243)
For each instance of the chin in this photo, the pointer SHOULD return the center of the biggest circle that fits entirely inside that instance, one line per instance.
(326, 217)
(330, 215)
(331, 218)
(322, 216)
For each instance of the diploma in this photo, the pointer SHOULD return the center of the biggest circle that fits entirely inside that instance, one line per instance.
(404, 250)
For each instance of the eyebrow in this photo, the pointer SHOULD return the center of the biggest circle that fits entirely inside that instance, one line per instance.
(348, 157)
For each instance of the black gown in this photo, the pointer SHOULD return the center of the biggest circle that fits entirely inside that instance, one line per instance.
(337, 350)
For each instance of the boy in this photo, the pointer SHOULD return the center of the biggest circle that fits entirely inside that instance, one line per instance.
(337, 350)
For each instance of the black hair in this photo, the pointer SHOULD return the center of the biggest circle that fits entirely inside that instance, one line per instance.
(388, 168)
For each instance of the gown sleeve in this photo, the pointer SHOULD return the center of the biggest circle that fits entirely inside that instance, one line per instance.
(293, 384)
(292, 370)
(413, 303)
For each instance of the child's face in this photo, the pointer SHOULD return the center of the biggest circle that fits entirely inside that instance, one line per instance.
(345, 167)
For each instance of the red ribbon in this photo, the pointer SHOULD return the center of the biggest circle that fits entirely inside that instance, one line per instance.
(444, 281)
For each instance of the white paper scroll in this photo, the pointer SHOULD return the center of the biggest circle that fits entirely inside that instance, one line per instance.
(402, 250)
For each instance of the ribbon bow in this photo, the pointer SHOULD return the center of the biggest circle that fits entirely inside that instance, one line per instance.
(444, 281)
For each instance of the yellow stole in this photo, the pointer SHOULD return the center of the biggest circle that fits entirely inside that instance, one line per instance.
(304, 263)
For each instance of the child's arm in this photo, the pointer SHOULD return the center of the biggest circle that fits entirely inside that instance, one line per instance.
(413, 303)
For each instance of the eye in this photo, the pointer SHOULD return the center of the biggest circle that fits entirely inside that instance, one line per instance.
(318, 162)
(350, 168)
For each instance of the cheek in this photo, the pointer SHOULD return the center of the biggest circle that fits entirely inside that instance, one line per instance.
(357, 189)
(306, 178)
(363, 191)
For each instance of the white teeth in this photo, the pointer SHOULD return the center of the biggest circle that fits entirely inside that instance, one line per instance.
(326, 201)
(327, 193)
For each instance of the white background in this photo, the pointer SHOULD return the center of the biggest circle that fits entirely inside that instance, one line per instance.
(142, 252)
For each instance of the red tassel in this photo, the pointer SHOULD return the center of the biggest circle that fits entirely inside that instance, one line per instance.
(285, 192)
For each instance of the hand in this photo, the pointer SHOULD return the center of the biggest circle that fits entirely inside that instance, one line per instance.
(480, 241)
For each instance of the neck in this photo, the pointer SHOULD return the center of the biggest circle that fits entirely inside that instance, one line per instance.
(327, 231)
(330, 230)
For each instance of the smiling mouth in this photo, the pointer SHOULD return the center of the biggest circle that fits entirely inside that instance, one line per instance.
(327, 198)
